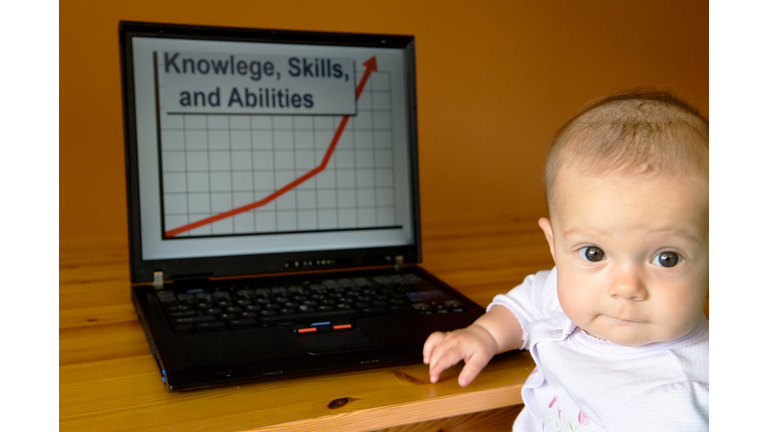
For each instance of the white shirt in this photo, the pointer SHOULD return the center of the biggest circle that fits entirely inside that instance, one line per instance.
(585, 384)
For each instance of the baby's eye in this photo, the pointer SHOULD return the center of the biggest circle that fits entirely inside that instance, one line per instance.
(591, 253)
(666, 259)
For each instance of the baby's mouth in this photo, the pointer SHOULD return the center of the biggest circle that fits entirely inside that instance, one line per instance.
(623, 319)
(628, 321)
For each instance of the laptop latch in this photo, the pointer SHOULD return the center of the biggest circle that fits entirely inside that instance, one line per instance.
(158, 280)
(399, 263)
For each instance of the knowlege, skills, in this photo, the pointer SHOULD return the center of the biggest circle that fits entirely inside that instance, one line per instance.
(255, 69)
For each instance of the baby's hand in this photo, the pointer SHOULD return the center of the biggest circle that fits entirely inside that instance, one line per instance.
(473, 344)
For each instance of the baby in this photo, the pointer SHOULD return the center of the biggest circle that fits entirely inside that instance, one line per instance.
(617, 328)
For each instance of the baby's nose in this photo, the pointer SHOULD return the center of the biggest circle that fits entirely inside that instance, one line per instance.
(628, 284)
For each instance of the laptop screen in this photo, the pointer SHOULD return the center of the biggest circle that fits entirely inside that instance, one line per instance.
(264, 143)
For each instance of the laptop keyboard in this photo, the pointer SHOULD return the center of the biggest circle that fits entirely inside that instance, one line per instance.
(310, 306)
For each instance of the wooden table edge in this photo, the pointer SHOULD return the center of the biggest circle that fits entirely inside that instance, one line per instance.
(406, 413)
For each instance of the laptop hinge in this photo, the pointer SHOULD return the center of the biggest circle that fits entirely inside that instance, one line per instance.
(158, 280)
(399, 263)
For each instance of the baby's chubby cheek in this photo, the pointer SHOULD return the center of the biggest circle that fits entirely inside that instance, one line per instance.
(674, 323)
(578, 307)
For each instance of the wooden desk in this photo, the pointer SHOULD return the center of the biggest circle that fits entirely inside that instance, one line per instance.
(108, 379)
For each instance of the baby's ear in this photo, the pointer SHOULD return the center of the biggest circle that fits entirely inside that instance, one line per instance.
(546, 226)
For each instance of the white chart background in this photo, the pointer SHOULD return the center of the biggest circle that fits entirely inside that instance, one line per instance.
(215, 163)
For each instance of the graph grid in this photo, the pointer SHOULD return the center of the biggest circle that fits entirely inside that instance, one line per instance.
(213, 163)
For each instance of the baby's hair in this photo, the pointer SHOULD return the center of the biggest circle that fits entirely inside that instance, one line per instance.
(643, 130)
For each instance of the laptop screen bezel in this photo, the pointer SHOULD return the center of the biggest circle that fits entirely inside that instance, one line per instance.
(256, 264)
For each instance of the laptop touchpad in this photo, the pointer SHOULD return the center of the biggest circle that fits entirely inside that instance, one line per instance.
(335, 341)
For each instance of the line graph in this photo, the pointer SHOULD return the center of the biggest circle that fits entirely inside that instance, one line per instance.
(370, 66)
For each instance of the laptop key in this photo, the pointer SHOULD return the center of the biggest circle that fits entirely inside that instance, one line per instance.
(183, 314)
(166, 296)
(310, 316)
(197, 319)
(245, 294)
(401, 309)
(362, 282)
(411, 279)
(185, 328)
(213, 325)
(330, 283)
(383, 280)
(244, 323)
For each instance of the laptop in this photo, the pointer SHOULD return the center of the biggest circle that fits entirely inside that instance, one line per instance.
(273, 202)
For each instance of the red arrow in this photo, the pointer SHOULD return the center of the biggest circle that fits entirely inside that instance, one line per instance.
(370, 66)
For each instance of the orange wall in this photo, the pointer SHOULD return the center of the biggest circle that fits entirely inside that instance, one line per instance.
(494, 78)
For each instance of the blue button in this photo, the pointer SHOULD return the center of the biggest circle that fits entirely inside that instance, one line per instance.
(320, 323)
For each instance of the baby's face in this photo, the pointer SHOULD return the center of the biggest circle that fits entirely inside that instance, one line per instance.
(632, 254)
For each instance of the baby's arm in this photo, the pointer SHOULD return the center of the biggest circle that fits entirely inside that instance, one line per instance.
(495, 332)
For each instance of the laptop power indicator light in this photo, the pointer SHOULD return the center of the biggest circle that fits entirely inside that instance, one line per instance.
(342, 326)
(308, 330)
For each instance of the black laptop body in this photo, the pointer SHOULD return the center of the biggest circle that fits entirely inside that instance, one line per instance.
(273, 203)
